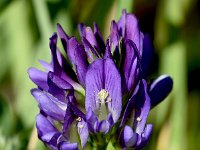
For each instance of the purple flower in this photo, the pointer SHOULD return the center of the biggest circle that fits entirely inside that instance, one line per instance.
(136, 133)
(52, 136)
(103, 101)
(57, 108)
(99, 92)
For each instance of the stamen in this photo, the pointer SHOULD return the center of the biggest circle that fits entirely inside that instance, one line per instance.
(143, 135)
(102, 95)
(80, 126)
(79, 119)
(66, 92)
(138, 119)
(87, 29)
(109, 99)
(103, 98)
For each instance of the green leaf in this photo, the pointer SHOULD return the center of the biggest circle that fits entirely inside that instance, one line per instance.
(110, 146)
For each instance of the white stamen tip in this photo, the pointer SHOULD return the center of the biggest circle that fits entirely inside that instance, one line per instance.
(138, 119)
(81, 126)
(109, 99)
(79, 119)
(102, 95)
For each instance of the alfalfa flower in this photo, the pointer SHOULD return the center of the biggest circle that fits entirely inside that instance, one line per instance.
(98, 95)
(103, 100)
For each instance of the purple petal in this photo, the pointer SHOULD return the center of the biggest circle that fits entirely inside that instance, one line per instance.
(58, 87)
(113, 86)
(160, 88)
(110, 120)
(129, 29)
(121, 24)
(76, 111)
(145, 136)
(81, 64)
(107, 51)
(68, 120)
(46, 131)
(66, 67)
(115, 43)
(62, 84)
(89, 35)
(147, 132)
(130, 106)
(91, 119)
(133, 33)
(38, 77)
(81, 29)
(72, 45)
(83, 132)
(94, 39)
(71, 114)
(131, 66)
(99, 39)
(68, 146)
(56, 66)
(103, 74)
(103, 126)
(77, 55)
(49, 104)
(75, 85)
(142, 108)
(59, 57)
(114, 35)
(92, 54)
(128, 137)
(147, 55)
(94, 83)
(46, 65)
(63, 36)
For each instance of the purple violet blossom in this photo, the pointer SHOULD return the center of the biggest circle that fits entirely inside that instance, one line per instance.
(103, 95)
(98, 93)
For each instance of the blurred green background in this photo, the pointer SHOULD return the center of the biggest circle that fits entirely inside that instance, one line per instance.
(174, 26)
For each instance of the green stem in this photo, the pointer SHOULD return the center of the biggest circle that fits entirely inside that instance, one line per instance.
(43, 19)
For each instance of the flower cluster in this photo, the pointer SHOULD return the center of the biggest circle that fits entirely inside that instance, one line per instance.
(97, 95)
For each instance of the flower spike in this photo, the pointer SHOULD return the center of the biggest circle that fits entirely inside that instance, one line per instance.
(98, 94)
